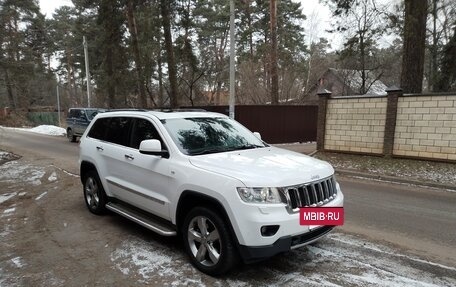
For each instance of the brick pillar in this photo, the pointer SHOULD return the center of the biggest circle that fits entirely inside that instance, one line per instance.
(391, 115)
(323, 96)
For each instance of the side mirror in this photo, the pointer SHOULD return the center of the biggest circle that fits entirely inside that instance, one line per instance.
(257, 134)
(152, 147)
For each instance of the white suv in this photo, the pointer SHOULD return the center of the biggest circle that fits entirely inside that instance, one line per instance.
(206, 177)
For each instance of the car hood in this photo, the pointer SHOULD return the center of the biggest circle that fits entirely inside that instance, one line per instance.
(265, 167)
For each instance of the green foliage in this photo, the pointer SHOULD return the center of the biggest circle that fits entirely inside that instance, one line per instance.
(447, 79)
(23, 42)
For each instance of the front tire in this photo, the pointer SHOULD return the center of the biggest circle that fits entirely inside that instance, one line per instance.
(94, 194)
(208, 241)
(71, 136)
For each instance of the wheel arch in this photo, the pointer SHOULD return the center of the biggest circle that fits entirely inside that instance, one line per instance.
(84, 168)
(190, 199)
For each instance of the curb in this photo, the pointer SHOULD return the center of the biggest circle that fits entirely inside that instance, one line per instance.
(394, 179)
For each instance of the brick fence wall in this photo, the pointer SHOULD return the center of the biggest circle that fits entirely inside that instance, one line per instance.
(417, 126)
(426, 127)
(355, 125)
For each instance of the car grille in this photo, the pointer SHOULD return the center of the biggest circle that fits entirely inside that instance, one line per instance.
(311, 194)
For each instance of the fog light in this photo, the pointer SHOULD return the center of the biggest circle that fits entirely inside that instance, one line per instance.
(269, 230)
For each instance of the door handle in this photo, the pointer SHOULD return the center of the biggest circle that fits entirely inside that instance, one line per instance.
(99, 148)
(129, 156)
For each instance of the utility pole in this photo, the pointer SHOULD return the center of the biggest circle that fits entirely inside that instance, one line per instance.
(86, 56)
(58, 102)
(232, 61)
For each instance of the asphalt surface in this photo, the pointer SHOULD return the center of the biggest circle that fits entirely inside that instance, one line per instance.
(412, 221)
(37, 146)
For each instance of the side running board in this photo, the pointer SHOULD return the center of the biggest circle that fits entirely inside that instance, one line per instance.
(141, 219)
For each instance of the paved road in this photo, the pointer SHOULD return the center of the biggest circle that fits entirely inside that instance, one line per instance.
(57, 149)
(418, 219)
(421, 220)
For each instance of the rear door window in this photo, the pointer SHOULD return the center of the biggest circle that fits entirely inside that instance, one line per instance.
(115, 130)
(73, 113)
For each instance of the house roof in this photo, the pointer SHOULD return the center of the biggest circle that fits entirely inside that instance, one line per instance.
(352, 79)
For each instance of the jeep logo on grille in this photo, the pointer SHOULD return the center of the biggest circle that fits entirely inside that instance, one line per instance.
(313, 177)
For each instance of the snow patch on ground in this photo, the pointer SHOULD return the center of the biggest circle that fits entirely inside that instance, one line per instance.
(12, 171)
(5, 232)
(145, 258)
(40, 196)
(337, 260)
(52, 177)
(385, 250)
(18, 262)
(9, 210)
(6, 196)
(417, 170)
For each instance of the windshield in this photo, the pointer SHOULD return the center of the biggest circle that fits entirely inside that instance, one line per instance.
(91, 114)
(197, 136)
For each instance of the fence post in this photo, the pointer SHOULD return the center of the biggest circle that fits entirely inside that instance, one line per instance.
(323, 96)
(391, 115)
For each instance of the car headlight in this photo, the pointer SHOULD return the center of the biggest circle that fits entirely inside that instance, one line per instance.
(260, 194)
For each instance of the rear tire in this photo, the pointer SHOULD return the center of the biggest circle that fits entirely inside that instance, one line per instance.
(71, 136)
(94, 194)
(208, 241)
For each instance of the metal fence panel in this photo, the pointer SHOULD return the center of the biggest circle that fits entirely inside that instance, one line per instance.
(276, 124)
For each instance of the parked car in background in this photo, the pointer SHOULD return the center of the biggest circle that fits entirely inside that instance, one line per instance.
(78, 120)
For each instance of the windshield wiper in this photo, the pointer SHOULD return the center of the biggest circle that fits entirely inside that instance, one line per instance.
(247, 146)
(207, 151)
(223, 149)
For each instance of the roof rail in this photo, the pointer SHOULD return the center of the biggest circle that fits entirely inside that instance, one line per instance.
(127, 110)
(165, 110)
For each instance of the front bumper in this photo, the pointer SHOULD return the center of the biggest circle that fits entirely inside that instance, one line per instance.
(250, 254)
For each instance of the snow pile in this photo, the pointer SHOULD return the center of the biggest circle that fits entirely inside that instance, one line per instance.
(48, 130)
(43, 129)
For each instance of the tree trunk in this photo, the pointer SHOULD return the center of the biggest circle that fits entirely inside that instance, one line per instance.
(433, 64)
(164, 5)
(9, 89)
(74, 101)
(274, 72)
(414, 46)
(138, 63)
(249, 23)
(363, 65)
(160, 83)
(108, 47)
